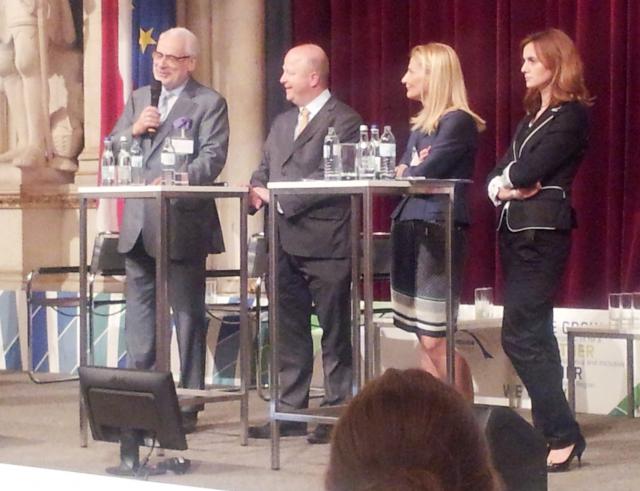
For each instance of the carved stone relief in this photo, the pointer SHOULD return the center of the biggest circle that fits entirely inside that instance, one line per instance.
(41, 79)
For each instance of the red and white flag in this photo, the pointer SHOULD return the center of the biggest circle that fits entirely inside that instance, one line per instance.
(115, 88)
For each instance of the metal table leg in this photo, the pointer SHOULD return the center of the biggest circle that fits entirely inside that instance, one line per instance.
(245, 336)
(571, 371)
(367, 284)
(631, 398)
(83, 314)
(273, 337)
(356, 382)
(451, 348)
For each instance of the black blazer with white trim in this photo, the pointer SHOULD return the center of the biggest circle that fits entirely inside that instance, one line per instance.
(549, 151)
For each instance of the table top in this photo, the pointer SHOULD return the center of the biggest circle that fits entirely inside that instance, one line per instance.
(604, 331)
(143, 191)
(360, 184)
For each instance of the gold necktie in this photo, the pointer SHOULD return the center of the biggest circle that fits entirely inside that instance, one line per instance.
(303, 120)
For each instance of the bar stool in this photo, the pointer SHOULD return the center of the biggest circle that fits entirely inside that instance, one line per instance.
(105, 262)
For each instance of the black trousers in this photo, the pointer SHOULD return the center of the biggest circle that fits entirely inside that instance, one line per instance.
(304, 283)
(533, 263)
(186, 297)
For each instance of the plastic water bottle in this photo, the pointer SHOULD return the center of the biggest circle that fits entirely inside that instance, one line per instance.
(331, 154)
(387, 154)
(375, 150)
(137, 172)
(168, 160)
(364, 162)
(123, 174)
(107, 165)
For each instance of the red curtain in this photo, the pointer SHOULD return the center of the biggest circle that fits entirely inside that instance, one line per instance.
(368, 44)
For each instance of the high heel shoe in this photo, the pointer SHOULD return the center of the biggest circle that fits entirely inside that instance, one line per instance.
(577, 451)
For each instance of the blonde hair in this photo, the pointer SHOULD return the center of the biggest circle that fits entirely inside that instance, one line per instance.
(447, 91)
(558, 53)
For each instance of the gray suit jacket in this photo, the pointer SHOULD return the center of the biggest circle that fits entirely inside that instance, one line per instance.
(194, 226)
(311, 226)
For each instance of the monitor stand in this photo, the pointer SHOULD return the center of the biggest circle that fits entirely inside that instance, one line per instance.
(130, 458)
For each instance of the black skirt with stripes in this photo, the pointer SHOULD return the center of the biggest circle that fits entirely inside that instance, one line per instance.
(418, 275)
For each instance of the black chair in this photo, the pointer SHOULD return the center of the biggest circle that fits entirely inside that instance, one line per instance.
(382, 259)
(381, 271)
(257, 266)
(105, 262)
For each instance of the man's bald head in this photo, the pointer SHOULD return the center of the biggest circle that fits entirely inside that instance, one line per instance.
(316, 60)
(305, 73)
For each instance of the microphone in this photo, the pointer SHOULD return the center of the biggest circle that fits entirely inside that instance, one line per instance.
(156, 90)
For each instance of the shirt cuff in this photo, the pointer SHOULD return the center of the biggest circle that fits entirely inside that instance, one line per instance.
(494, 188)
(506, 180)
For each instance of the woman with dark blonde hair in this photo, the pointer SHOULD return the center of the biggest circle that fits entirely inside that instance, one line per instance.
(533, 183)
(408, 431)
(442, 145)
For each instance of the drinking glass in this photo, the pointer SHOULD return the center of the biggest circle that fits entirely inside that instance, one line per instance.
(181, 178)
(348, 160)
(626, 310)
(211, 292)
(483, 302)
(615, 310)
(635, 306)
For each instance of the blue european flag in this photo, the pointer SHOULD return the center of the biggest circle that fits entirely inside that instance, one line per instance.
(149, 19)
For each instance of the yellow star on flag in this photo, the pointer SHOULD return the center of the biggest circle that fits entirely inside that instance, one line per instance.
(145, 39)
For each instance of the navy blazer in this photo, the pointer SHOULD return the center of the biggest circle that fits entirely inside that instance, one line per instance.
(452, 155)
(547, 151)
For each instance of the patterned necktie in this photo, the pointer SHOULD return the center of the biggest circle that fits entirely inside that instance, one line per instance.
(303, 120)
(163, 105)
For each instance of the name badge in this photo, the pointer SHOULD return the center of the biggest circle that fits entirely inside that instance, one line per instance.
(182, 146)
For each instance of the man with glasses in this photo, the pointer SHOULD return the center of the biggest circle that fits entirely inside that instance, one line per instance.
(194, 226)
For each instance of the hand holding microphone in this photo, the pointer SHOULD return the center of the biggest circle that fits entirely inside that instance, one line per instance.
(149, 119)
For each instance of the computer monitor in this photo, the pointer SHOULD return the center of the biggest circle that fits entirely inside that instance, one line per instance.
(133, 407)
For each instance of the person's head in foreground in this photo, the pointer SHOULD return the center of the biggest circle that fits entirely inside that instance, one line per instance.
(408, 431)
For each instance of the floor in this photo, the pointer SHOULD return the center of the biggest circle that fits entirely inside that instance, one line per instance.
(39, 427)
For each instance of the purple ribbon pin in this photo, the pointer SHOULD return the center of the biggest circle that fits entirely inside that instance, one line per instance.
(183, 123)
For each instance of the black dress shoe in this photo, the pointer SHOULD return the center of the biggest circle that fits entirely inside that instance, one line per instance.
(322, 434)
(576, 452)
(287, 428)
(189, 421)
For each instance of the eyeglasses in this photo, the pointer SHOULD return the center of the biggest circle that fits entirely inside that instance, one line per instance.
(170, 59)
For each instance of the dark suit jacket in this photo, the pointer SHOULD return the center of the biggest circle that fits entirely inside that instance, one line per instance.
(194, 225)
(549, 151)
(310, 226)
(452, 156)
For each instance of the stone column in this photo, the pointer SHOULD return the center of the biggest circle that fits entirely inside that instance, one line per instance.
(87, 174)
(231, 35)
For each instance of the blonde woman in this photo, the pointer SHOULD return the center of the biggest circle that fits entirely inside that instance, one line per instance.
(442, 145)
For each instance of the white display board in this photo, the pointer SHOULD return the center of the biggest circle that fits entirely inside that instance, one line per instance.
(600, 363)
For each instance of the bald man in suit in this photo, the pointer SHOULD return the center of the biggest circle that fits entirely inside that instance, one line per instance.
(314, 266)
(194, 226)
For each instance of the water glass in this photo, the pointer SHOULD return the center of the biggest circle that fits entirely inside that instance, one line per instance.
(181, 178)
(635, 309)
(210, 294)
(483, 302)
(626, 310)
(615, 310)
(348, 153)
